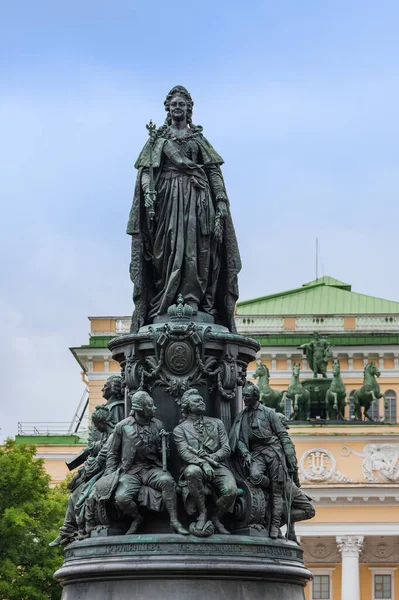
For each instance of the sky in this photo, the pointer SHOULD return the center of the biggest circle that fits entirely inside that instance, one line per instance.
(300, 99)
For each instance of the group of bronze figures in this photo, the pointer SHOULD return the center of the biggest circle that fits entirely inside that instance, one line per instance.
(239, 477)
(125, 474)
(320, 398)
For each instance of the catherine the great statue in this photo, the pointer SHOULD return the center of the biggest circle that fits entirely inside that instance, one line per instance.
(183, 240)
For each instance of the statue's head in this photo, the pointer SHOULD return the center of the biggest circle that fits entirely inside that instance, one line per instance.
(113, 387)
(250, 394)
(371, 369)
(261, 370)
(336, 367)
(179, 104)
(192, 403)
(100, 418)
(316, 335)
(296, 369)
(143, 404)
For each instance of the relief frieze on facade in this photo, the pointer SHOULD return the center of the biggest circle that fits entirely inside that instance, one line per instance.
(380, 462)
(319, 465)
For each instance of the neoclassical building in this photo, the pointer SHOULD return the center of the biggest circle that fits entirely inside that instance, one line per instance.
(351, 470)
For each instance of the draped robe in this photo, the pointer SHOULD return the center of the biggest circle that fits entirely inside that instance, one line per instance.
(178, 252)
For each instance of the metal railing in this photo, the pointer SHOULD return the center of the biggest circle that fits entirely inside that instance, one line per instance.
(384, 323)
(37, 428)
(248, 324)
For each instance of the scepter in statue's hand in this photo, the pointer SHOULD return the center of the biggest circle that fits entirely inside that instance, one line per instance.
(151, 194)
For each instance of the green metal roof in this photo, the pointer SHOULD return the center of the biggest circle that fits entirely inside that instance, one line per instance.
(324, 296)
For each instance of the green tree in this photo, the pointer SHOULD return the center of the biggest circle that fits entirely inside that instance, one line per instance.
(30, 514)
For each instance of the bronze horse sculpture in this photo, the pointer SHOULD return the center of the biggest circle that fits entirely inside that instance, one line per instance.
(368, 393)
(299, 396)
(335, 396)
(268, 397)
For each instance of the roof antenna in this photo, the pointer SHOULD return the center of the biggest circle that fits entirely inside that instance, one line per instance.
(317, 259)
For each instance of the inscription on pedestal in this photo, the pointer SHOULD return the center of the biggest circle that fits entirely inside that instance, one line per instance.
(176, 548)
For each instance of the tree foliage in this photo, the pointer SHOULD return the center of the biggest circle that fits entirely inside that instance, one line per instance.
(30, 514)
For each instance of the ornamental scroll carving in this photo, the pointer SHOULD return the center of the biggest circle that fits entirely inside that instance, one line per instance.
(319, 464)
(380, 462)
(179, 361)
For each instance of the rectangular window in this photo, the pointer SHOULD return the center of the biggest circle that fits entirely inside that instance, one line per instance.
(383, 587)
(321, 587)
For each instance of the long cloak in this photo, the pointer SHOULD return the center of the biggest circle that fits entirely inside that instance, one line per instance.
(141, 229)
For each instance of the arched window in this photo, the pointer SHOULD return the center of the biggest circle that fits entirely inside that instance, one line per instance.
(390, 411)
(374, 410)
(351, 406)
(288, 408)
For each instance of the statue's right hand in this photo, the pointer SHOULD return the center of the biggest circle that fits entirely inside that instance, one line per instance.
(149, 199)
(247, 460)
(209, 472)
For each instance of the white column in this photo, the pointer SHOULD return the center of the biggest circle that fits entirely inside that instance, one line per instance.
(274, 362)
(381, 362)
(350, 361)
(289, 362)
(396, 360)
(350, 547)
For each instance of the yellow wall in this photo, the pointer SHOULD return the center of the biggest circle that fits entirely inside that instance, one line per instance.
(56, 467)
(95, 394)
(102, 325)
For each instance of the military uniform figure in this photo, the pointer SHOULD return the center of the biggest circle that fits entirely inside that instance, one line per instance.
(136, 450)
(265, 448)
(83, 481)
(203, 446)
(112, 393)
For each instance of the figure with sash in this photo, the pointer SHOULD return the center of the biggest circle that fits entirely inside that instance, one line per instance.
(183, 239)
(263, 446)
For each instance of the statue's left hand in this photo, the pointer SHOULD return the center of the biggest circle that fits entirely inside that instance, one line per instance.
(202, 453)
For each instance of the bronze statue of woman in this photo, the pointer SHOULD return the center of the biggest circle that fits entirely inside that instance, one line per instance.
(183, 239)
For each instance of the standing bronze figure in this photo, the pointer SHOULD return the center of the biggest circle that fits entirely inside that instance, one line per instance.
(261, 441)
(318, 352)
(180, 223)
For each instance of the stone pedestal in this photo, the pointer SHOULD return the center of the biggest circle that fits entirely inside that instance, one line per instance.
(173, 567)
(176, 353)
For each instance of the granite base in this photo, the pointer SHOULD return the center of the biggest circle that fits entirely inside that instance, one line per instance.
(173, 567)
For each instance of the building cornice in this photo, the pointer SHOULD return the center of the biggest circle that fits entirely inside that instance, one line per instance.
(309, 528)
